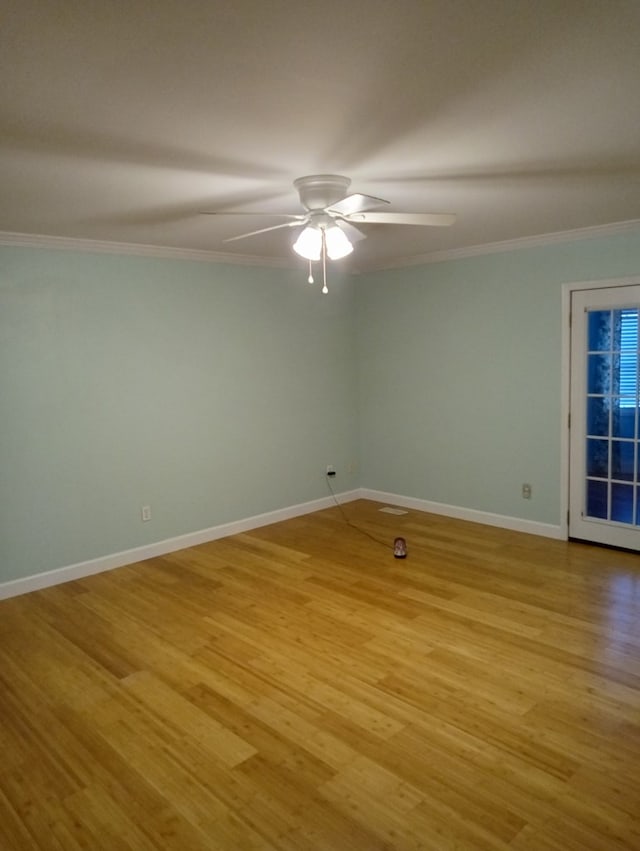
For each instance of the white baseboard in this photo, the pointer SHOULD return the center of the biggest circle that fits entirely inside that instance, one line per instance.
(516, 524)
(98, 565)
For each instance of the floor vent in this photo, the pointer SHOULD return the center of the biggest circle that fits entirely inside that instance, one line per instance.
(389, 509)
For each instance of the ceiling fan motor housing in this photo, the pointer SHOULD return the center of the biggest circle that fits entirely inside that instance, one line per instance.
(318, 191)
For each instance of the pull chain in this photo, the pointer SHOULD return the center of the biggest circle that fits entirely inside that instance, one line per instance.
(310, 278)
(324, 263)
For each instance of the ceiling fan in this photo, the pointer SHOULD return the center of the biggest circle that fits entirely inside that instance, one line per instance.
(329, 221)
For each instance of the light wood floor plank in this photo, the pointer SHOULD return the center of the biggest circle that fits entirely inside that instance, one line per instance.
(296, 688)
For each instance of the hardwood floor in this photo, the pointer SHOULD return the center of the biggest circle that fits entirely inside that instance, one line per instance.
(298, 688)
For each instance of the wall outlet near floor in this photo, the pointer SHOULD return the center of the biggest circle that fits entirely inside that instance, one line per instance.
(331, 470)
(145, 513)
(526, 491)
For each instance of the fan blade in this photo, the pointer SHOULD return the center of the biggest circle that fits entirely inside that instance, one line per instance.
(433, 219)
(350, 231)
(237, 213)
(356, 203)
(263, 230)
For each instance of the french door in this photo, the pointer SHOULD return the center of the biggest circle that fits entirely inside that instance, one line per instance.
(604, 459)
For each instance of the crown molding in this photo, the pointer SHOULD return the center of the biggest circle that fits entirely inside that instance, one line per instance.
(97, 246)
(591, 232)
(30, 240)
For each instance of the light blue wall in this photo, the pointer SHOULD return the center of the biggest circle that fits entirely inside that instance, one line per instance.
(211, 393)
(460, 374)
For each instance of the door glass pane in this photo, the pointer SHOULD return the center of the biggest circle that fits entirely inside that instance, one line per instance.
(625, 348)
(598, 458)
(597, 499)
(623, 417)
(622, 503)
(597, 416)
(615, 385)
(599, 331)
(599, 374)
(622, 458)
(612, 415)
(625, 330)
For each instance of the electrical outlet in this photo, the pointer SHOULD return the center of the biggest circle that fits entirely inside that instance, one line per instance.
(331, 470)
(526, 491)
(145, 512)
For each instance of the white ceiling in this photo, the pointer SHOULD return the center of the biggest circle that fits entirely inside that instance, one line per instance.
(119, 120)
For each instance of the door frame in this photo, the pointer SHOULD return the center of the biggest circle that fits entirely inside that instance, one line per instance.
(565, 370)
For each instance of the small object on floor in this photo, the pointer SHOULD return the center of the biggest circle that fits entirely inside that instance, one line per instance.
(400, 548)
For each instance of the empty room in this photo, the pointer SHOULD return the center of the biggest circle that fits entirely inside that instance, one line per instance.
(319, 455)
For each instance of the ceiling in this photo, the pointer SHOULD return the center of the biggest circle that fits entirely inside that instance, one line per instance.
(119, 121)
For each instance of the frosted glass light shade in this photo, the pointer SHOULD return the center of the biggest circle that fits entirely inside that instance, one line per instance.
(309, 243)
(338, 244)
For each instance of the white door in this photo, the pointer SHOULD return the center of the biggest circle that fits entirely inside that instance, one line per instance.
(604, 485)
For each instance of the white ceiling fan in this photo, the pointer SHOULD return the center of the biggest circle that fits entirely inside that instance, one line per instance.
(329, 223)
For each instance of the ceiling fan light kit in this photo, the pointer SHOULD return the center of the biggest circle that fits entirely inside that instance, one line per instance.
(328, 229)
(310, 242)
(337, 242)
